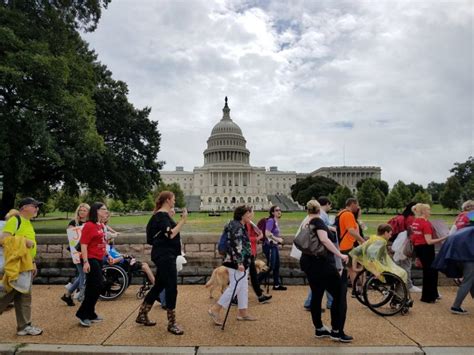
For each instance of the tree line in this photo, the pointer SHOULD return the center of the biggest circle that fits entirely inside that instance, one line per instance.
(373, 193)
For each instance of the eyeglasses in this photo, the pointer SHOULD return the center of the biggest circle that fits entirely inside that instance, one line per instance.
(277, 209)
(103, 208)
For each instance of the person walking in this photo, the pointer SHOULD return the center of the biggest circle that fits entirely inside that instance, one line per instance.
(93, 245)
(322, 274)
(423, 241)
(21, 226)
(165, 234)
(80, 217)
(236, 261)
(271, 245)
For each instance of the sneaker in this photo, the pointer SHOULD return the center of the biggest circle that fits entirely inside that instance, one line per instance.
(340, 336)
(354, 293)
(458, 310)
(322, 332)
(264, 299)
(85, 322)
(440, 297)
(97, 320)
(414, 289)
(68, 300)
(30, 330)
(279, 288)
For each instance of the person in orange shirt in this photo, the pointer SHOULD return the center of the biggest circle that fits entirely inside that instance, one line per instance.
(349, 232)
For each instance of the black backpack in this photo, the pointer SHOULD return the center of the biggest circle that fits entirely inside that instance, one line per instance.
(337, 224)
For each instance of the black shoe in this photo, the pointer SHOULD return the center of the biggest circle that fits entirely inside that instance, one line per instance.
(264, 299)
(354, 293)
(68, 300)
(279, 288)
(459, 310)
(234, 302)
(340, 336)
(322, 333)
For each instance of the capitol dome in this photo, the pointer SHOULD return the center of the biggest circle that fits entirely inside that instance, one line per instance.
(226, 145)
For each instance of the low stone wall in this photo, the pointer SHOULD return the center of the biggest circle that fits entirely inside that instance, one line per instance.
(55, 265)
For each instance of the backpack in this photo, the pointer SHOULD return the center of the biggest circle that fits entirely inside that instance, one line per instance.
(223, 241)
(262, 225)
(307, 241)
(398, 225)
(337, 225)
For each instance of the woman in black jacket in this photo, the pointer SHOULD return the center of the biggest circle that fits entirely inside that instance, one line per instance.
(164, 232)
(237, 261)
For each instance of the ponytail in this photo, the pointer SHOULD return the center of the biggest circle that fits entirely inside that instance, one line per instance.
(161, 199)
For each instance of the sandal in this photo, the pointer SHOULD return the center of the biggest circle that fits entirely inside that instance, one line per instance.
(214, 317)
(174, 329)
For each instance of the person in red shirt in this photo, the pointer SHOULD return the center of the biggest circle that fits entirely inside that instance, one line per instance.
(93, 245)
(423, 241)
(462, 220)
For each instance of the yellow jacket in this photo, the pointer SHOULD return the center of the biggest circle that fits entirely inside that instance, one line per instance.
(17, 259)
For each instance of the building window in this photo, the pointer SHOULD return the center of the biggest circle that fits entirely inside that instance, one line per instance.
(249, 200)
(225, 199)
(209, 200)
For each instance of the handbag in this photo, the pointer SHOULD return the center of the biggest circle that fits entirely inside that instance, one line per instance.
(308, 242)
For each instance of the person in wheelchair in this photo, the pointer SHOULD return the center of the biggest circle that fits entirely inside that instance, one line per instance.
(128, 262)
(373, 255)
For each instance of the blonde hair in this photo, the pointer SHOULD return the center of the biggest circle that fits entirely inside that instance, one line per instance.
(468, 205)
(420, 208)
(11, 213)
(313, 207)
(81, 205)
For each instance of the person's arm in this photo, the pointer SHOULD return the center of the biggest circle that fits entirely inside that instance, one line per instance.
(86, 268)
(180, 224)
(355, 233)
(270, 236)
(430, 241)
(323, 238)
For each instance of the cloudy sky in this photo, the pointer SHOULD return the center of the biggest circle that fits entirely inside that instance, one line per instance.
(311, 83)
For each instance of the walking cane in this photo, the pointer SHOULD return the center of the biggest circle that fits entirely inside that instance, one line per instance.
(233, 294)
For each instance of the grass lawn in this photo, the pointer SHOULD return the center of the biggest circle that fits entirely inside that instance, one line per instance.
(202, 223)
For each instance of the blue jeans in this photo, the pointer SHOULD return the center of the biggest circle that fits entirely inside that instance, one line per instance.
(307, 302)
(273, 259)
(78, 283)
(163, 298)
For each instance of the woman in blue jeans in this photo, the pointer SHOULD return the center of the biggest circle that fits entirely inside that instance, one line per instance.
(271, 246)
(79, 283)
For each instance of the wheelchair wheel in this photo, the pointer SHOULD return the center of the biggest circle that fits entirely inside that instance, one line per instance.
(386, 298)
(115, 282)
(358, 285)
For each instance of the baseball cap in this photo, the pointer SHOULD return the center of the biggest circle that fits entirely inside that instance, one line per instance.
(29, 201)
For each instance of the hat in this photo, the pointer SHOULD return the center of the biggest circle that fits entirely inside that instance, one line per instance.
(29, 201)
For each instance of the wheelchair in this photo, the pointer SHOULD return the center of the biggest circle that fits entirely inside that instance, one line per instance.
(385, 295)
(118, 277)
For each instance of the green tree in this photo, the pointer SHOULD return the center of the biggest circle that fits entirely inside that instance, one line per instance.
(435, 189)
(393, 200)
(403, 191)
(312, 187)
(423, 197)
(116, 205)
(380, 184)
(80, 128)
(148, 204)
(340, 195)
(414, 188)
(367, 195)
(464, 172)
(133, 205)
(66, 202)
(451, 195)
(379, 199)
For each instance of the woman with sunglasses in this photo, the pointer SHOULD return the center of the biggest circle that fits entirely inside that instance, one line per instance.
(271, 245)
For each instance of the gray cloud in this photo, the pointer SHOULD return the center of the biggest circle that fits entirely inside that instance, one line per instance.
(390, 83)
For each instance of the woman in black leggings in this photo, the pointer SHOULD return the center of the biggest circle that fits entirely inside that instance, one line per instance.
(164, 232)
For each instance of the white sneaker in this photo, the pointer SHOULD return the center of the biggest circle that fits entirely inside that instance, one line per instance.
(415, 289)
(68, 286)
(30, 330)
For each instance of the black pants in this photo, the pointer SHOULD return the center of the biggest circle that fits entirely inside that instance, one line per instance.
(166, 279)
(426, 254)
(94, 285)
(254, 277)
(323, 276)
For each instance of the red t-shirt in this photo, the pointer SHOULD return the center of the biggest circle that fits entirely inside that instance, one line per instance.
(252, 237)
(419, 228)
(93, 235)
(462, 220)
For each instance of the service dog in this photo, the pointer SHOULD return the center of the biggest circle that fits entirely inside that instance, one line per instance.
(220, 277)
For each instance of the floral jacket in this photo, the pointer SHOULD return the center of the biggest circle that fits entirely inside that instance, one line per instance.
(238, 246)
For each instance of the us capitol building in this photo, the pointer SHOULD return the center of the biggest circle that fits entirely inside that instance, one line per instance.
(227, 179)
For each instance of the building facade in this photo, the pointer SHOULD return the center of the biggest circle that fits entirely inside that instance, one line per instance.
(227, 179)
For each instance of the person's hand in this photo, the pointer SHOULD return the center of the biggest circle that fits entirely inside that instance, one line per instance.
(29, 243)
(241, 268)
(184, 214)
(86, 268)
(344, 258)
(110, 260)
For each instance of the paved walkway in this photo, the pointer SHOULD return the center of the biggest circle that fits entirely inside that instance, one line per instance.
(283, 327)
